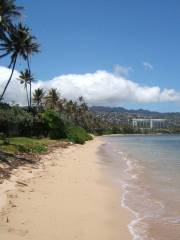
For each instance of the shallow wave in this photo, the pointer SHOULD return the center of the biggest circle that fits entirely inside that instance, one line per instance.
(134, 194)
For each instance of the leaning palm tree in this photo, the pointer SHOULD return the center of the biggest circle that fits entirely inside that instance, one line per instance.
(52, 98)
(18, 43)
(8, 12)
(38, 97)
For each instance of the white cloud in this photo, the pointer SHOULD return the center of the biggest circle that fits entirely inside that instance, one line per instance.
(121, 70)
(147, 66)
(15, 92)
(99, 88)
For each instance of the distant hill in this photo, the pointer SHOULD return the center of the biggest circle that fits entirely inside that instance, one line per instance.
(120, 115)
(122, 110)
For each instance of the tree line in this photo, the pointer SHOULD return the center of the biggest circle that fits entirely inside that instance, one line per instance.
(50, 116)
(46, 113)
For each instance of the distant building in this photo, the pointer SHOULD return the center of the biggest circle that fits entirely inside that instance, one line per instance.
(149, 123)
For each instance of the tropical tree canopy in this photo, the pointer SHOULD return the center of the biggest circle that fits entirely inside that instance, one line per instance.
(26, 78)
(52, 98)
(8, 12)
(18, 43)
(38, 96)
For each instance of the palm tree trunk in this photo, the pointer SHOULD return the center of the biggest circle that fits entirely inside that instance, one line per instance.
(30, 85)
(30, 97)
(13, 68)
(27, 96)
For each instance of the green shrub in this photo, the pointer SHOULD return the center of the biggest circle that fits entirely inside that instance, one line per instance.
(57, 129)
(116, 130)
(54, 124)
(22, 148)
(77, 135)
(4, 139)
(99, 132)
(39, 148)
(127, 129)
(15, 121)
(31, 148)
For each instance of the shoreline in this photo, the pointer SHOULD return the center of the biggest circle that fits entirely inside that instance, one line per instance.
(140, 169)
(67, 197)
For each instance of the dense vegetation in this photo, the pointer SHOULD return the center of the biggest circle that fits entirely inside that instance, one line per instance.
(50, 116)
(45, 113)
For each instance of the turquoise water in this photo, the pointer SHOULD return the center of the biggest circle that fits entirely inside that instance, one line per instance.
(148, 169)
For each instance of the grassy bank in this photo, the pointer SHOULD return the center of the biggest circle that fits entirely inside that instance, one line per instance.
(26, 145)
(19, 151)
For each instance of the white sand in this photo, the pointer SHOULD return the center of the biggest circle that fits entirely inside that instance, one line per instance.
(68, 198)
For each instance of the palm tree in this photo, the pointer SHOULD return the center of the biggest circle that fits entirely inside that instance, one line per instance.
(8, 12)
(31, 79)
(81, 112)
(75, 111)
(69, 109)
(84, 107)
(18, 43)
(38, 97)
(81, 99)
(60, 105)
(52, 98)
(25, 78)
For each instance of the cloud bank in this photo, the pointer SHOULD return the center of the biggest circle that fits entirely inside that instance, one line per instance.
(122, 71)
(98, 88)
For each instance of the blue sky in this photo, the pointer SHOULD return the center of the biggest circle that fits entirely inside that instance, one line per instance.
(84, 36)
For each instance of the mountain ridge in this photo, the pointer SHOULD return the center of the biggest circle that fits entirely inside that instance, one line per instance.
(130, 111)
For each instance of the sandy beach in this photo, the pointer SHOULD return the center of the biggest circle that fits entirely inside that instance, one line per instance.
(67, 197)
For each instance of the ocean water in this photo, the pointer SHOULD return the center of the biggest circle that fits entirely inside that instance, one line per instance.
(148, 169)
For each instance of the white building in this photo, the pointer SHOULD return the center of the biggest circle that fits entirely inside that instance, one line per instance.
(149, 123)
